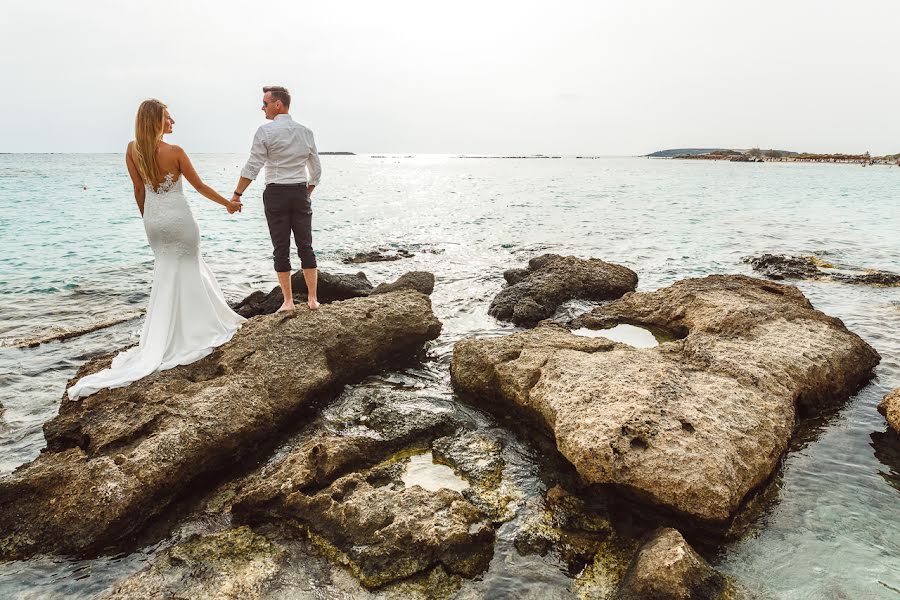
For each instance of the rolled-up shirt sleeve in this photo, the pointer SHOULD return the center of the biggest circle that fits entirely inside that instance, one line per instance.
(258, 155)
(313, 164)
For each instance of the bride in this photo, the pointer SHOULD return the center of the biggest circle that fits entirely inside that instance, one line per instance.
(187, 315)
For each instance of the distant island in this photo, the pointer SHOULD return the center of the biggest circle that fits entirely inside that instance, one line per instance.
(337, 154)
(772, 155)
(508, 156)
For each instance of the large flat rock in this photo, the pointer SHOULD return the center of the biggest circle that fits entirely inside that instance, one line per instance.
(119, 457)
(694, 424)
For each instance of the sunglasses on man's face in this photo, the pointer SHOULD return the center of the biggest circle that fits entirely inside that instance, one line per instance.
(266, 104)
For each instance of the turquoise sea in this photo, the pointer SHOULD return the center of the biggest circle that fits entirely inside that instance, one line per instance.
(73, 254)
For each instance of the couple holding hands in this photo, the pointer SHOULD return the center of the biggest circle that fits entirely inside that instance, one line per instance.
(187, 315)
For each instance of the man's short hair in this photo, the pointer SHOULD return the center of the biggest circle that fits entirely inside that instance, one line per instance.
(279, 93)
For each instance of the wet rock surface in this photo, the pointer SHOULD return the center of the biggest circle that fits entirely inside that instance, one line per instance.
(119, 457)
(693, 425)
(784, 266)
(890, 408)
(234, 564)
(330, 287)
(421, 281)
(346, 492)
(388, 532)
(534, 293)
(379, 255)
(667, 568)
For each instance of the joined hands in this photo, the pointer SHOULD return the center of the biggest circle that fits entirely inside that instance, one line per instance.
(234, 205)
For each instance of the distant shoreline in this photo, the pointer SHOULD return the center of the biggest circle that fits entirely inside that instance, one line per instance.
(772, 155)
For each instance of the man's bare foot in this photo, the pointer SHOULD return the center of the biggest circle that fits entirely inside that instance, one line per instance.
(313, 304)
(286, 307)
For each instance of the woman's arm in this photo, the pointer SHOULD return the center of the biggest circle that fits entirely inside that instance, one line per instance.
(187, 169)
(139, 190)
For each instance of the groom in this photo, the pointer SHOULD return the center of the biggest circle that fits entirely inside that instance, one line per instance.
(288, 151)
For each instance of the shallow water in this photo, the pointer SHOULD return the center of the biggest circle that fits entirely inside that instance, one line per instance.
(632, 335)
(71, 257)
(423, 471)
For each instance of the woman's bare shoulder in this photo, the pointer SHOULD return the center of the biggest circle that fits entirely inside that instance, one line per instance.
(170, 148)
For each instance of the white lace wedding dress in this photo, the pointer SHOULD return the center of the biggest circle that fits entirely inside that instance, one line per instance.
(187, 316)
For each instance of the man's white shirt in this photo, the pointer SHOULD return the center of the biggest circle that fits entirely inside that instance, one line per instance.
(288, 151)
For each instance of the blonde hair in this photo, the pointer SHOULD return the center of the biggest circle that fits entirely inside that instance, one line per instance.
(149, 126)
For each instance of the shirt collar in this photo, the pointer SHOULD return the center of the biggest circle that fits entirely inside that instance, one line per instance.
(283, 117)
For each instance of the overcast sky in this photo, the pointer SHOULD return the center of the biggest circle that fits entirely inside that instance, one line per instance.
(597, 77)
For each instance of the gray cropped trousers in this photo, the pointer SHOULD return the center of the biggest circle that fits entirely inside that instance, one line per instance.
(288, 208)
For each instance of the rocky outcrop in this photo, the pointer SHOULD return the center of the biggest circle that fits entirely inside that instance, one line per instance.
(667, 568)
(119, 457)
(329, 288)
(235, 564)
(890, 408)
(534, 293)
(421, 281)
(385, 532)
(379, 255)
(783, 266)
(695, 424)
(347, 494)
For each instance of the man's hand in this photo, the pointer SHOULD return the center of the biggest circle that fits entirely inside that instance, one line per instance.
(309, 190)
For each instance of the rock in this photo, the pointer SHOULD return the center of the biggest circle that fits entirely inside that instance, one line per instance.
(890, 408)
(324, 457)
(693, 425)
(329, 288)
(234, 564)
(575, 534)
(667, 568)
(385, 533)
(535, 293)
(783, 266)
(345, 491)
(367, 519)
(119, 457)
(478, 457)
(421, 281)
(380, 255)
(514, 276)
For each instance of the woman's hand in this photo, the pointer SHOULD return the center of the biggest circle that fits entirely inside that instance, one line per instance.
(233, 206)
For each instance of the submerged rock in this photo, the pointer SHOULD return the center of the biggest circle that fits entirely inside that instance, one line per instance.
(667, 568)
(783, 266)
(693, 425)
(890, 408)
(329, 288)
(234, 564)
(119, 457)
(534, 293)
(379, 255)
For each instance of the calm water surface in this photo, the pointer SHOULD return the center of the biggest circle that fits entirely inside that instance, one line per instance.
(71, 257)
